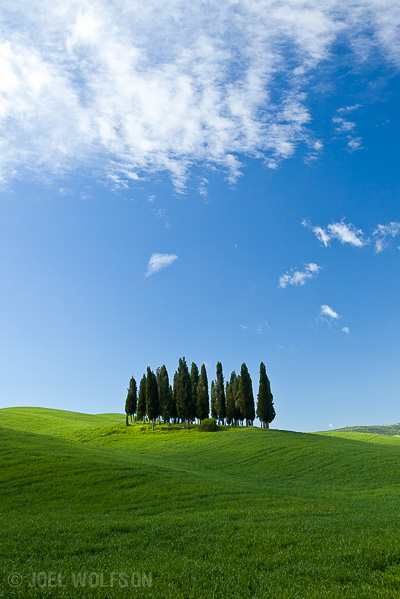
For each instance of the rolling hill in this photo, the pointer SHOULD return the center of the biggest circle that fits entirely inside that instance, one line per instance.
(236, 513)
(392, 430)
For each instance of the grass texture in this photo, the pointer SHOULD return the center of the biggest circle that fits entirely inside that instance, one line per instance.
(92, 508)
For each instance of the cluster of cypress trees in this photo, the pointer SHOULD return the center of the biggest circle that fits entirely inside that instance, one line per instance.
(188, 400)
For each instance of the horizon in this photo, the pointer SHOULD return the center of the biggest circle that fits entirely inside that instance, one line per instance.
(229, 193)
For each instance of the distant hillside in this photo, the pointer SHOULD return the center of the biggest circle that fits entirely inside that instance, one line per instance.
(389, 429)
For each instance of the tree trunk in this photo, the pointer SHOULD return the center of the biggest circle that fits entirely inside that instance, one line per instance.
(184, 423)
(152, 425)
(127, 420)
(266, 424)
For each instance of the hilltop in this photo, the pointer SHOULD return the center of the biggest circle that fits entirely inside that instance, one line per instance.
(387, 429)
(239, 513)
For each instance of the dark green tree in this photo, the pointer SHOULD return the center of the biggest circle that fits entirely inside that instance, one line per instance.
(141, 404)
(230, 402)
(174, 413)
(131, 399)
(245, 395)
(164, 394)
(183, 392)
(151, 396)
(203, 400)
(194, 381)
(265, 403)
(235, 381)
(221, 405)
(214, 413)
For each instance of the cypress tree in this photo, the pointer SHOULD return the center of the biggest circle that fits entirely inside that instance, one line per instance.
(194, 381)
(221, 405)
(203, 401)
(131, 399)
(184, 398)
(214, 413)
(151, 396)
(165, 394)
(246, 397)
(158, 383)
(265, 404)
(141, 404)
(194, 378)
(235, 381)
(174, 413)
(230, 404)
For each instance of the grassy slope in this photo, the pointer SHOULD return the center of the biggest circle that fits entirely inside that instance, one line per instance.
(387, 429)
(237, 513)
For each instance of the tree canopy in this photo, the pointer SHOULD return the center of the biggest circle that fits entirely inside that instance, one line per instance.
(189, 399)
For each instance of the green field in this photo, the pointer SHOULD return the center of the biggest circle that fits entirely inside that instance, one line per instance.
(386, 429)
(236, 513)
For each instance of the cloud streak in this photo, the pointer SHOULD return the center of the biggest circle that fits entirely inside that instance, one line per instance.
(299, 277)
(343, 232)
(83, 85)
(382, 233)
(347, 129)
(159, 261)
(328, 313)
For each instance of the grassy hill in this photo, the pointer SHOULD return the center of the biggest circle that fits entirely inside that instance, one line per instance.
(238, 513)
(387, 429)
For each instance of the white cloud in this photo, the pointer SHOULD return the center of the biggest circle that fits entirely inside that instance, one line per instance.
(203, 191)
(138, 87)
(345, 233)
(162, 215)
(159, 261)
(382, 232)
(342, 125)
(347, 128)
(243, 326)
(117, 182)
(330, 425)
(327, 311)
(354, 143)
(297, 277)
(346, 330)
(346, 109)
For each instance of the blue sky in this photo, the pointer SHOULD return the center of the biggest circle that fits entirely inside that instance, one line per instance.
(214, 182)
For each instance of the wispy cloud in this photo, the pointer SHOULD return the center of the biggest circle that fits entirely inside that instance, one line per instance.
(346, 330)
(382, 232)
(243, 327)
(299, 277)
(327, 313)
(342, 125)
(159, 261)
(349, 234)
(117, 183)
(347, 109)
(83, 85)
(163, 215)
(348, 129)
(343, 232)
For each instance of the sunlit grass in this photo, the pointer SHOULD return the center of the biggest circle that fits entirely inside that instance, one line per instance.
(235, 513)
